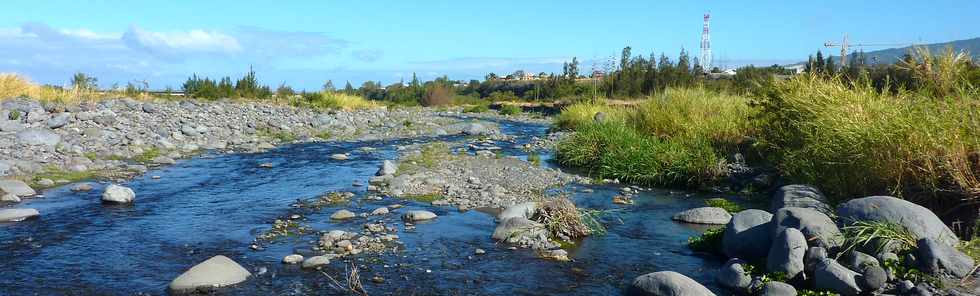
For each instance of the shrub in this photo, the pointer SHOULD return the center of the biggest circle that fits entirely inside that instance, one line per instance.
(437, 95)
(855, 141)
(507, 109)
(614, 150)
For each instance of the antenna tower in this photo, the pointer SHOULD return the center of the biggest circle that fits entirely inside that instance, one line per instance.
(705, 58)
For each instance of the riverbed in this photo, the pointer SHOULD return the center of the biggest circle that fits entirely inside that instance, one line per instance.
(219, 203)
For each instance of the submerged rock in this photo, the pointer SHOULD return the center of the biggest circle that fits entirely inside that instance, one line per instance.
(17, 215)
(667, 283)
(919, 220)
(747, 236)
(81, 187)
(704, 215)
(219, 271)
(118, 194)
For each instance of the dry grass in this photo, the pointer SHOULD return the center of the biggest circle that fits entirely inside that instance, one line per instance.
(338, 100)
(562, 218)
(14, 85)
(353, 286)
(582, 114)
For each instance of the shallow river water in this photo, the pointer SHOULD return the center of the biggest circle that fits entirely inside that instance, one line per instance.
(218, 203)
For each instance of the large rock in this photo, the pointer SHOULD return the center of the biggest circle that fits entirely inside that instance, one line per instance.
(786, 253)
(476, 129)
(799, 196)
(387, 168)
(856, 260)
(747, 236)
(917, 219)
(118, 194)
(342, 215)
(59, 120)
(873, 277)
(934, 257)
(16, 187)
(316, 261)
(704, 215)
(830, 275)
(418, 215)
(15, 215)
(219, 271)
(524, 210)
(733, 276)
(667, 283)
(775, 288)
(816, 226)
(38, 136)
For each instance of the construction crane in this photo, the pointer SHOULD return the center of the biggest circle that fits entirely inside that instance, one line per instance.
(845, 45)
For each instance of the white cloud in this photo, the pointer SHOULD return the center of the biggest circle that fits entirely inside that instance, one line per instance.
(193, 41)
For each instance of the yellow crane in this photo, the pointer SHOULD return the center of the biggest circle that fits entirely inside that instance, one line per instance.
(845, 45)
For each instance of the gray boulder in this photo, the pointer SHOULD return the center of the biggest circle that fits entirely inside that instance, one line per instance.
(387, 168)
(16, 215)
(934, 257)
(59, 120)
(775, 288)
(816, 226)
(342, 215)
(917, 219)
(830, 275)
(872, 278)
(704, 215)
(476, 129)
(747, 236)
(118, 194)
(219, 271)
(16, 187)
(733, 276)
(799, 196)
(524, 210)
(10, 126)
(667, 283)
(787, 252)
(316, 261)
(856, 260)
(418, 215)
(81, 187)
(38, 136)
(150, 108)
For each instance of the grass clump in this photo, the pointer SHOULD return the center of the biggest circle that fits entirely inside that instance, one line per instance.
(339, 100)
(281, 135)
(856, 141)
(427, 198)
(564, 220)
(708, 242)
(877, 235)
(728, 205)
(615, 150)
(507, 109)
(57, 174)
(427, 157)
(148, 155)
(695, 116)
(582, 114)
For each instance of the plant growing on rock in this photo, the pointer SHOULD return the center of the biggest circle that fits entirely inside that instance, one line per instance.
(709, 241)
(728, 205)
(562, 219)
(878, 235)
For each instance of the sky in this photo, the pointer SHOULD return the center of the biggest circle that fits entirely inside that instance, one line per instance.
(305, 43)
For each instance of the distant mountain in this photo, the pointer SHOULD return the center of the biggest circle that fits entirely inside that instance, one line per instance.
(893, 55)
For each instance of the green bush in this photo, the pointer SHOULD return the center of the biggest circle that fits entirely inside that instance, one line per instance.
(510, 109)
(614, 150)
(709, 241)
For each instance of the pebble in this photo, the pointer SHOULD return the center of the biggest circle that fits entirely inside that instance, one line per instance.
(265, 165)
(292, 259)
(480, 252)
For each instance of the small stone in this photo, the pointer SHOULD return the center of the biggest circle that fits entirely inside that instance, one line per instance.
(292, 259)
(316, 262)
(378, 279)
(480, 251)
(339, 156)
(266, 165)
(418, 215)
(380, 211)
(81, 187)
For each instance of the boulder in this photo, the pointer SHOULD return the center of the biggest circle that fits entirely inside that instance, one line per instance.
(316, 261)
(7, 197)
(38, 136)
(16, 187)
(917, 219)
(59, 120)
(747, 236)
(524, 210)
(816, 226)
(380, 211)
(831, 276)
(118, 194)
(418, 215)
(666, 283)
(150, 108)
(16, 215)
(342, 215)
(813, 257)
(872, 278)
(704, 215)
(799, 196)
(934, 257)
(733, 276)
(387, 168)
(476, 129)
(775, 288)
(787, 252)
(219, 271)
(292, 259)
(516, 226)
(856, 260)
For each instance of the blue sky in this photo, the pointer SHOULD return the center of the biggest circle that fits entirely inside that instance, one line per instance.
(304, 43)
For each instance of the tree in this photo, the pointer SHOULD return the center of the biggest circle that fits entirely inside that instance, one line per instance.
(625, 59)
(328, 86)
(349, 89)
(491, 76)
(81, 81)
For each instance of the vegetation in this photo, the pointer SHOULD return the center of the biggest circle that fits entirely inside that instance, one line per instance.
(426, 198)
(709, 241)
(563, 219)
(877, 235)
(281, 135)
(582, 114)
(427, 157)
(507, 109)
(338, 100)
(56, 174)
(148, 155)
(728, 205)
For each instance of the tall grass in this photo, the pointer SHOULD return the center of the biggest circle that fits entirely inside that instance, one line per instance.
(581, 114)
(855, 141)
(693, 115)
(13, 85)
(339, 100)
